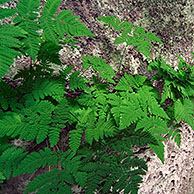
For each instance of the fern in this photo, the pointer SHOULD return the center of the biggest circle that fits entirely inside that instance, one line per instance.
(8, 97)
(49, 53)
(6, 13)
(140, 39)
(8, 44)
(77, 82)
(99, 65)
(34, 161)
(92, 123)
(31, 123)
(26, 10)
(176, 83)
(49, 182)
(184, 110)
(175, 133)
(42, 88)
(128, 82)
(10, 159)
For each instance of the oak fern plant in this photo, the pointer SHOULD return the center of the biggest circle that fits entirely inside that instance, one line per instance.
(82, 130)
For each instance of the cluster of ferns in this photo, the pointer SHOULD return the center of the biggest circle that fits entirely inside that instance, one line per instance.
(83, 128)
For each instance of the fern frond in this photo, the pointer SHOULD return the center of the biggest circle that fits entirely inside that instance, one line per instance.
(54, 134)
(33, 161)
(94, 179)
(140, 39)
(115, 22)
(128, 82)
(50, 7)
(64, 113)
(77, 82)
(105, 70)
(8, 44)
(26, 10)
(10, 159)
(49, 52)
(6, 13)
(175, 133)
(131, 112)
(159, 150)
(155, 108)
(48, 27)
(140, 138)
(8, 97)
(48, 183)
(42, 88)
(75, 139)
(184, 110)
(10, 123)
(102, 128)
(2, 177)
(67, 24)
(153, 124)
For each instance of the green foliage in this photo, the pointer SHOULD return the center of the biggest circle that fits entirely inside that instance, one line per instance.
(176, 83)
(9, 44)
(10, 159)
(99, 65)
(183, 110)
(83, 129)
(139, 38)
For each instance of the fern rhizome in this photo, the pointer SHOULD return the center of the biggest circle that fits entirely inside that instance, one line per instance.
(83, 129)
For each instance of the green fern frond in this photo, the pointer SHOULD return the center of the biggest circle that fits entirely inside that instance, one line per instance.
(42, 88)
(6, 13)
(175, 133)
(8, 44)
(2, 177)
(8, 97)
(10, 159)
(34, 161)
(155, 108)
(140, 39)
(130, 113)
(49, 183)
(94, 179)
(49, 53)
(63, 113)
(48, 27)
(140, 138)
(10, 123)
(67, 23)
(159, 150)
(99, 65)
(75, 139)
(149, 103)
(54, 134)
(102, 128)
(31, 123)
(184, 110)
(128, 82)
(50, 7)
(26, 10)
(77, 82)
(115, 22)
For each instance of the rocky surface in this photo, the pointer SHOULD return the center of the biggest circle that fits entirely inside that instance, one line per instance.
(173, 22)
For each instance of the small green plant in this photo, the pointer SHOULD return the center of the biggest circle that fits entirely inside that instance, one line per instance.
(84, 128)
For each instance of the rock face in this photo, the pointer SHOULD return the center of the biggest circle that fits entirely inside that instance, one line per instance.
(173, 22)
